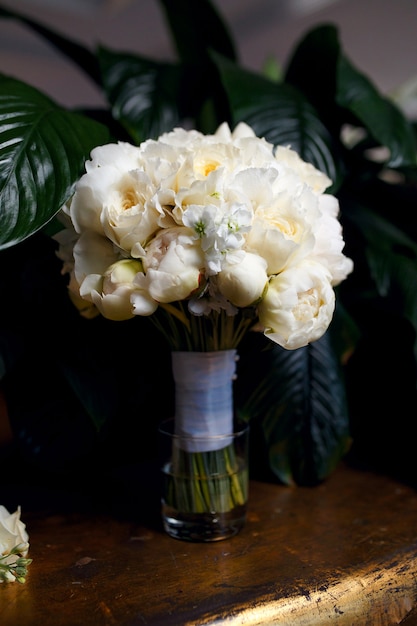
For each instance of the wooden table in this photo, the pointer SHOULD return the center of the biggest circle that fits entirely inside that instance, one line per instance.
(342, 553)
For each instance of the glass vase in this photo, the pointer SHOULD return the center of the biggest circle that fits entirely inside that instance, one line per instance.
(204, 451)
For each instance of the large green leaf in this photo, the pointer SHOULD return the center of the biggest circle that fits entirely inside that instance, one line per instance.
(280, 113)
(318, 48)
(301, 404)
(383, 120)
(197, 27)
(43, 148)
(145, 95)
(341, 94)
(197, 30)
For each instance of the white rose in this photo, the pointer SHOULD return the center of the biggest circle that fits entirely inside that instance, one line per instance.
(114, 197)
(108, 164)
(298, 305)
(243, 283)
(281, 232)
(117, 205)
(12, 530)
(173, 265)
(129, 215)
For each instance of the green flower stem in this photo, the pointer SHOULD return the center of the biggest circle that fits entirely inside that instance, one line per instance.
(201, 333)
(18, 568)
(178, 313)
(207, 482)
(239, 495)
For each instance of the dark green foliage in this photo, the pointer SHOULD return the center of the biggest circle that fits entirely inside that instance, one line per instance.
(42, 153)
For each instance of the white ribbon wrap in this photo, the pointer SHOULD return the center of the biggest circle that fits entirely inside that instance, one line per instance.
(204, 398)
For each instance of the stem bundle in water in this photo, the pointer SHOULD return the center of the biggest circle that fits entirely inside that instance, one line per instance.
(213, 481)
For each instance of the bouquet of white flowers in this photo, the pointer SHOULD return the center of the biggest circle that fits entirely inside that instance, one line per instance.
(210, 236)
(220, 232)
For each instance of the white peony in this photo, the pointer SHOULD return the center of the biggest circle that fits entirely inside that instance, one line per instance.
(298, 305)
(102, 278)
(111, 292)
(172, 265)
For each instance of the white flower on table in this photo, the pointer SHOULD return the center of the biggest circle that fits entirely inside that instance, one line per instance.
(14, 546)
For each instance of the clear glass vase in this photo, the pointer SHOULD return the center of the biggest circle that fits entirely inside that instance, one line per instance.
(204, 451)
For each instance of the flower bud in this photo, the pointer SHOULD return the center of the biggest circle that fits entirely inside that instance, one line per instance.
(119, 274)
(243, 283)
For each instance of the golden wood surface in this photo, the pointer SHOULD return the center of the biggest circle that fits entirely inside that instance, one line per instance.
(342, 553)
